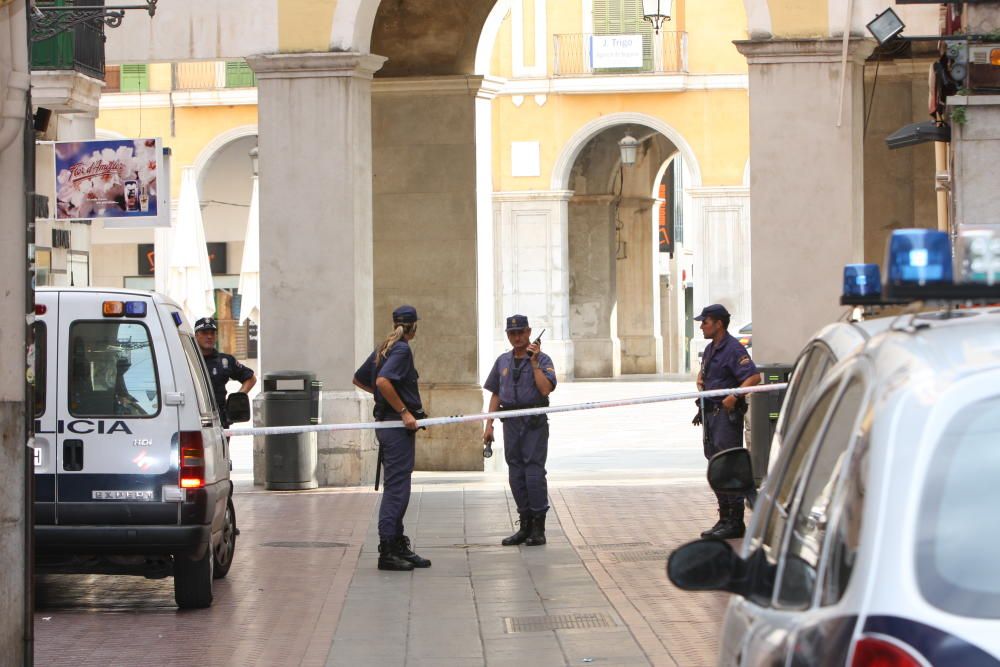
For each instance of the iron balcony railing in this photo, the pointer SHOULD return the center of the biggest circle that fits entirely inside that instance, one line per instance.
(80, 49)
(588, 54)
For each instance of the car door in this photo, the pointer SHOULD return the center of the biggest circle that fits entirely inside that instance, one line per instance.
(44, 332)
(115, 436)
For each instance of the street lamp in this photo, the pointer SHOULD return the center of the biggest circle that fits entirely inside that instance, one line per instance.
(656, 12)
(49, 19)
(629, 147)
(885, 27)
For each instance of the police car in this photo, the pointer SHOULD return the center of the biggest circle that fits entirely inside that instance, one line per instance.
(131, 463)
(873, 540)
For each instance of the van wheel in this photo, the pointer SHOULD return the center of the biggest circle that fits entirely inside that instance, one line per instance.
(193, 581)
(225, 551)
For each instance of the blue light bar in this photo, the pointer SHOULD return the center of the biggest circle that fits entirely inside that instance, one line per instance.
(135, 309)
(862, 280)
(177, 317)
(919, 257)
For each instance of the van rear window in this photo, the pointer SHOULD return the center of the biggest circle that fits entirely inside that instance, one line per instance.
(112, 370)
(41, 366)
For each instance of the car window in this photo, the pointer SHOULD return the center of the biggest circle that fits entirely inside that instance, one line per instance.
(41, 366)
(112, 370)
(809, 374)
(798, 573)
(797, 448)
(195, 365)
(846, 519)
(957, 543)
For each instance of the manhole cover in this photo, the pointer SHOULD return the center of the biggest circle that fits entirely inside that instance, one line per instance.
(306, 545)
(557, 622)
(620, 545)
(640, 556)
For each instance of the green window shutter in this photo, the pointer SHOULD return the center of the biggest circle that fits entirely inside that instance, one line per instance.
(134, 78)
(602, 20)
(617, 17)
(239, 75)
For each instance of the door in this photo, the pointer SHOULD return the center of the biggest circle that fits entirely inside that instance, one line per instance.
(44, 332)
(115, 436)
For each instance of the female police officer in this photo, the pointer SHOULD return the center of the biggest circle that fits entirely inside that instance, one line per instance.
(390, 375)
(523, 378)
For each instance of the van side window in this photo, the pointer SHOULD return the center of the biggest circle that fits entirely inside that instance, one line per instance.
(112, 370)
(40, 335)
(810, 374)
(197, 367)
(808, 532)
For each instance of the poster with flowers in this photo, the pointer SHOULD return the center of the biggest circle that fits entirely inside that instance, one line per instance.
(106, 179)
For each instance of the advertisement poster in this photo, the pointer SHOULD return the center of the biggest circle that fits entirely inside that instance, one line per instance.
(108, 179)
(616, 52)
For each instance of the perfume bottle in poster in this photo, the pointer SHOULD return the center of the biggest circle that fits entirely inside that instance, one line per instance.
(131, 196)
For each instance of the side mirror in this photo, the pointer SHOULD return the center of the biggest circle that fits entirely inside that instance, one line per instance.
(731, 471)
(238, 407)
(705, 565)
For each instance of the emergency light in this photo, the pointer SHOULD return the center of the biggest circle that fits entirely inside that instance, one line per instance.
(918, 257)
(135, 308)
(978, 255)
(862, 280)
(124, 308)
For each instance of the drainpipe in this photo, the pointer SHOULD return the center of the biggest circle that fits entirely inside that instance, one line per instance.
(12, 114)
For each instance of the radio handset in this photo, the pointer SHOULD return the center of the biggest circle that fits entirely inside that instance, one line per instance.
(537, 341)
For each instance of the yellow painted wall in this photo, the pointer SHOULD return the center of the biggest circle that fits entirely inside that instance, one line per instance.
(799, 18)
(159, 76)
(714, 123)
(194, 127)
(501, 64)
(305, 25)
(712, 25)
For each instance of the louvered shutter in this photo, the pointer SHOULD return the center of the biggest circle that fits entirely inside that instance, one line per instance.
(134, 78)
(239, 75)
(618, 17)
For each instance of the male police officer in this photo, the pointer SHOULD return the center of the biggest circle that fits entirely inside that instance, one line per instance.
(221, 367)
(523, 378)
(724, 365)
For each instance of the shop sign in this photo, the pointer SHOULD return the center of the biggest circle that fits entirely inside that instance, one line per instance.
(616, 52)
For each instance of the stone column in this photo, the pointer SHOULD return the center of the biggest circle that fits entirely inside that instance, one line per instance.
(975, 145)
(806, 185)
(638, 282)
(533, 269)
(427, 187)
(316, 236)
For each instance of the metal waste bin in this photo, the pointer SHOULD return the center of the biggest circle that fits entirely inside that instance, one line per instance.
(764, 410)
(290, 398)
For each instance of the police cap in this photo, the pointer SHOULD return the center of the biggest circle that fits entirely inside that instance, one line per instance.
(716, 311)
(517, 322)
(205, 324)
(405, 315)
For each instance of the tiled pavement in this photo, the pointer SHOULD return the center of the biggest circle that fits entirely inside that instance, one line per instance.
(305, 591)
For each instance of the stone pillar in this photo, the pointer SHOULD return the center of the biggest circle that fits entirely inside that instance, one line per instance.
(316, 235)
(722, 272)
(533, 269)
(638, 283)
(427, 189)
(975, 145)
(806, 185)
(593, 277)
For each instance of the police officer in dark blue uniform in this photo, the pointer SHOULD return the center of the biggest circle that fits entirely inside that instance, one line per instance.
(523, 378)
(725, 364)
(221, 367)
(390, 374)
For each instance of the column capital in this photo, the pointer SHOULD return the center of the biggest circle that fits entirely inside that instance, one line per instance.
(827, 50)
(315, 65)
(483, 87)
(532, 195)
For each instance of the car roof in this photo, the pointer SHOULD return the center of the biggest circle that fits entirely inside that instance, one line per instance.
(843, 338)
(111, 291)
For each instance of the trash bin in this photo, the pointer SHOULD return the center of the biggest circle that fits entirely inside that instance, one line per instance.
(290, 398)
(764, 410)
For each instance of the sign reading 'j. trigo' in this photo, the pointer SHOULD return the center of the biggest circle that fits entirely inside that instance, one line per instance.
(616, 51)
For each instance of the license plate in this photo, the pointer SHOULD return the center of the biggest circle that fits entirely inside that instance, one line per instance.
(122, 495)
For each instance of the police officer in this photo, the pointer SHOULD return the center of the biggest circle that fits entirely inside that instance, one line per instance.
(523, 378)
(221, 367)
(726, 364)
(390, 374)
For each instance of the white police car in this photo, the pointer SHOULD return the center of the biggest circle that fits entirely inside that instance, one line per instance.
(874, 541)
(131, 463)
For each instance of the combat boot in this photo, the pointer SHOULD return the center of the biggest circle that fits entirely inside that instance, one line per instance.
(718, 524)
(733, 527)
(404, 551)
(522, 532)
(390, 559)
(537, 537)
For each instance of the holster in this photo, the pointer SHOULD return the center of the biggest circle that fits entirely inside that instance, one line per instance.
(378, 466)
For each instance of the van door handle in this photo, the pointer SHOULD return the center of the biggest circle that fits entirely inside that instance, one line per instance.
(73, 455)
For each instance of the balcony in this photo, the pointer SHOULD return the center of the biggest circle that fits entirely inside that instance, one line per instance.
(589, 55)
(80, 49)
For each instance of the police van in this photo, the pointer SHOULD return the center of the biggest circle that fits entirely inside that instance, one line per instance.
(872, 540)
(131, 462)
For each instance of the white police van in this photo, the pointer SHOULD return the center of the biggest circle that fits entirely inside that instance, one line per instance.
(131, 463)
(873, 540)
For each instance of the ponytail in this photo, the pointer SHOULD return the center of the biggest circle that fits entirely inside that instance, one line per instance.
(397, 334)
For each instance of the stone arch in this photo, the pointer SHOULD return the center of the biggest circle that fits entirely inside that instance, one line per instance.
(758, 19)
(564, 165)
(488, 38)
(218, 142)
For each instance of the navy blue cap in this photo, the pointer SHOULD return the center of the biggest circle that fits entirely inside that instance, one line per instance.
(716, 310)
(205, 323)
(517, 322)
(405, 315)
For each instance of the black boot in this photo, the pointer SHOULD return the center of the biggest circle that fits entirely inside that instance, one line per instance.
(733, 527)
(537, 536)
(390, 559)
(404, 551)
(718, 524)
(522, 532)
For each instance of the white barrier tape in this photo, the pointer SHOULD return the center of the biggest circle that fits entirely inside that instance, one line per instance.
(505, 414)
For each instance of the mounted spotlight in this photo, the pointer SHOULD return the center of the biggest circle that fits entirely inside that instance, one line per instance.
(656, 12)
(885, 26)
(629, 147)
